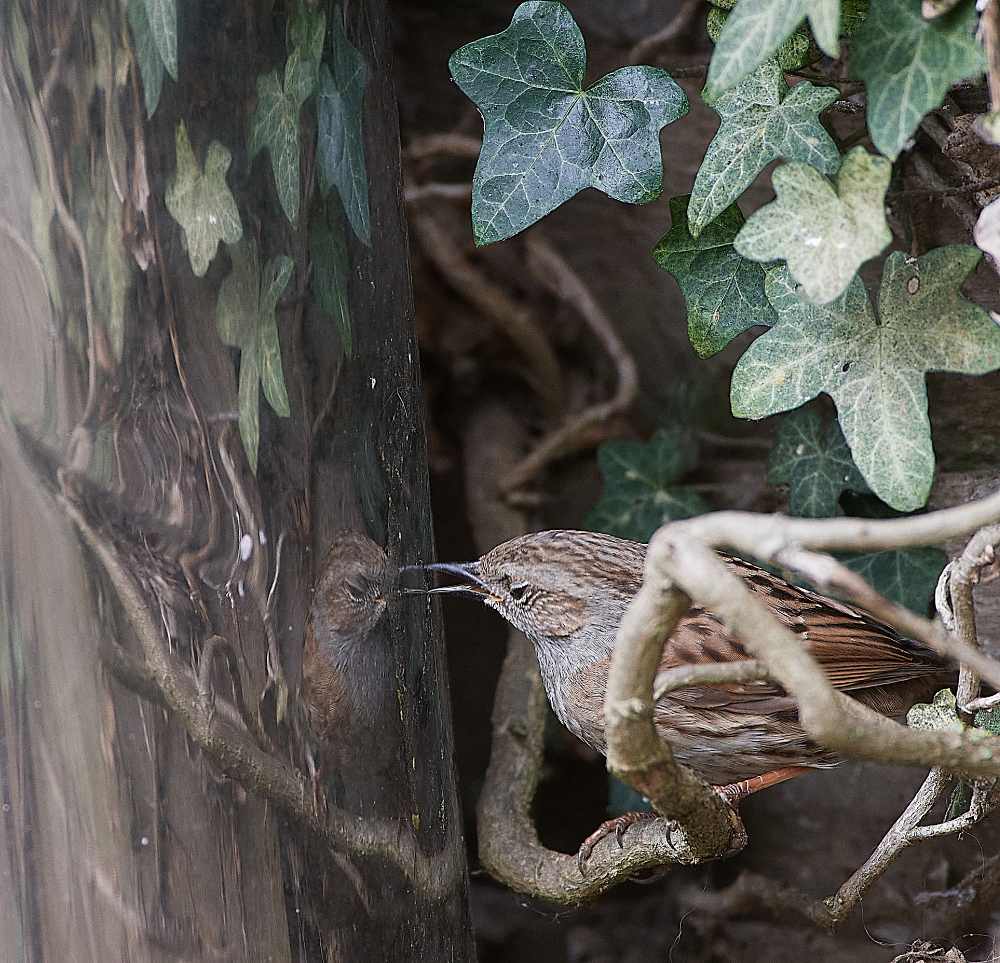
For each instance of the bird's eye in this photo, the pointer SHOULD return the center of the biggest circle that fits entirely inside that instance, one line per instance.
(518, 590)
(357, 589)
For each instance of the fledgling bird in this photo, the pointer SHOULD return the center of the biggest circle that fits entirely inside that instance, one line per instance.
(567, 591)
(348, 688)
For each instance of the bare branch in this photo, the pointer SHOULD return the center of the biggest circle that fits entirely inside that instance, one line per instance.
(545, 373)
(565, 283)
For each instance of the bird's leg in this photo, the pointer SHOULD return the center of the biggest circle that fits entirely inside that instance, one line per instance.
(316, 776)
(736, 791)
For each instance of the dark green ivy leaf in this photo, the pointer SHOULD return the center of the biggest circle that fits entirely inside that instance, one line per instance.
(723, 291)
(546, 137)
(147, 55)
(908, 577)
(341, 154)
(640, 486)
(817, 466)
(328, 253)
(161, 17)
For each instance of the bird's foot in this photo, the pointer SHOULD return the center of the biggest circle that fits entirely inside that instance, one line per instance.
(616, 826)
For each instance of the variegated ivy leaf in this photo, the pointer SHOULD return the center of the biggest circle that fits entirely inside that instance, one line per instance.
(825, 235)
(201, 202)
(761, 120)
(873, 367)
(275, 125)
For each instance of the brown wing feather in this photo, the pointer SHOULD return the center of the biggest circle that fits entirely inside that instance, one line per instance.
(856, 651)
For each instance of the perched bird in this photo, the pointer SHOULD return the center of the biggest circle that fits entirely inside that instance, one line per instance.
(348, 686)
(567, 591)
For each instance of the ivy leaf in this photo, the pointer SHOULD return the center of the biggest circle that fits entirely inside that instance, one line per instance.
(146, 53)
(756, 28)
(305, 32)
(941, 715)
(908, 577)
(328, 254)
(761, 120)
(244, 318)
(817, 466)
(908, 63)
(792, 54)
(201, 202)
(640, 486)
(161, 17)
(723, 291)
(873, 368)
(546, 137)
(825, 235)
(340, 148)
(275, 125)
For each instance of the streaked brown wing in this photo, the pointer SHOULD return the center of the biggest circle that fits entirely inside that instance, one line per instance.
(856, 651)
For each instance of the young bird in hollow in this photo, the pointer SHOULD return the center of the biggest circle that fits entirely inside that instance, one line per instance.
(567, 591)
(348, 686)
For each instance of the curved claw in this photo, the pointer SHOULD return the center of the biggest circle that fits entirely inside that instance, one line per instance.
(616, 826)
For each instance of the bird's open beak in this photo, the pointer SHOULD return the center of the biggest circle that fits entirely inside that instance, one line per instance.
(474, 585)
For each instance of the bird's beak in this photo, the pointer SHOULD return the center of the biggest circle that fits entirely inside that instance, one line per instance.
(474, 585)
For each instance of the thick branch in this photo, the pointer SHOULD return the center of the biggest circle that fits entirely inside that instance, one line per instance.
(509, 847)
(636, 753)
(678, 556)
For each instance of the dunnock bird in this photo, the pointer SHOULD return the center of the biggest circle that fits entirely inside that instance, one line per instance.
(567, 591)
(347, 670)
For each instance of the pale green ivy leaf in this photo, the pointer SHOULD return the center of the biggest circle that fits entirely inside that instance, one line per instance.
(825, 235)
(328, 255)
(640, 486)
(941, 715)
(756, 28)
(761, 120)
(275, 125)
(161, 16)
(723, 291)
(815, 464)
(341, 153)
(873, 368)
(147, 54)
(546, 136)
(244, 318)
(792, 54)
(908, 63)
(201, 202)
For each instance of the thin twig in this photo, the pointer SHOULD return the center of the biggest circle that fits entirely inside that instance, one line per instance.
(456, 193)
(545, 373)
(563, 281)
(715, 673)
(644, 49)
(443, 145)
